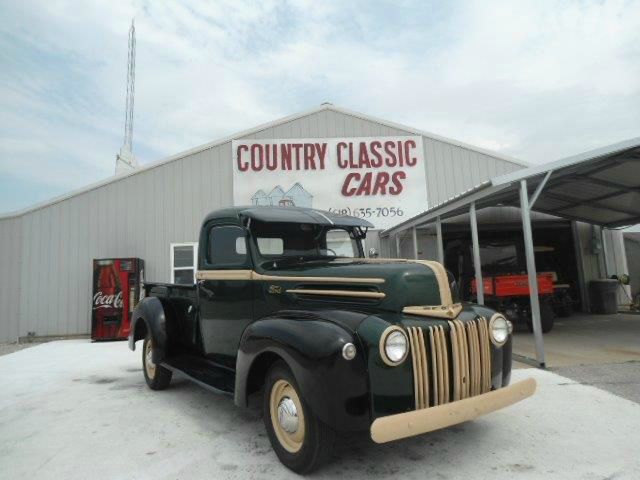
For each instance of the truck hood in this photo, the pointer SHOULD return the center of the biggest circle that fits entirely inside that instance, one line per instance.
(413, 286)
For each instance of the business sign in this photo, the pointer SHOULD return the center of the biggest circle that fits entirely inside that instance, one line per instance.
(381, 179)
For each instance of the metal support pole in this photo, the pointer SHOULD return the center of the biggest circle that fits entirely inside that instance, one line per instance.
(531, 271)
(538, 191)
(476, 254)
(605, 256)
(398, 245)
(439, 240)
(415, 243)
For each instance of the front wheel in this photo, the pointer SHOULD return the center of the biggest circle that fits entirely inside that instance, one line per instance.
(156, 376)
(301, 441)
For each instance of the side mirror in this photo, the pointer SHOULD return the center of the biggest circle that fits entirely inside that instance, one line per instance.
(373, 253)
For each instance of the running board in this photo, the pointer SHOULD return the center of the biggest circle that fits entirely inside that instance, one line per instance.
(203, 372)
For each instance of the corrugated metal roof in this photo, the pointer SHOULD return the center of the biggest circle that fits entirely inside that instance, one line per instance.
(601, 187)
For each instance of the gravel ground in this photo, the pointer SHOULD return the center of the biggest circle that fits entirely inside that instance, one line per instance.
(7, 348)
(621, 379)
(77, 410)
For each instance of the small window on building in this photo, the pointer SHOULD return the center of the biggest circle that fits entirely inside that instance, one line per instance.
(184, 261)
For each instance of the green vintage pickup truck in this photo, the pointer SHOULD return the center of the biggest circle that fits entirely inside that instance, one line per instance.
(287, 305)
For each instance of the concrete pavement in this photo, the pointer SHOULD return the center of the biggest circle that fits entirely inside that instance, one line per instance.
(584, 339)
(77, 410)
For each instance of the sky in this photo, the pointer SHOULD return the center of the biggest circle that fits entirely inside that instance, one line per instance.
(536, 80)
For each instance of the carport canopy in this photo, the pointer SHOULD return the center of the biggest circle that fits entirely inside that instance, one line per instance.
(600, 187)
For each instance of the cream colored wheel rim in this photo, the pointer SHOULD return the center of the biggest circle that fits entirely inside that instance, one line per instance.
(285, 408)
(149, 366)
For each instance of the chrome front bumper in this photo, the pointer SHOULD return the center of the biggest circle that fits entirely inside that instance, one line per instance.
(402, 425)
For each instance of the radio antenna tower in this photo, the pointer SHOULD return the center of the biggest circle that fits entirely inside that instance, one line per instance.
(125, 161)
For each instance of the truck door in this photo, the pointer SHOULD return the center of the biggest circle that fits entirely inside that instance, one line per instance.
(225, 290)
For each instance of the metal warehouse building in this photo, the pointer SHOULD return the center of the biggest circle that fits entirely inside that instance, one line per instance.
(47, 251)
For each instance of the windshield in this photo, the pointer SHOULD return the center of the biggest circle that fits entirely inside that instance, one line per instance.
(303, 241)
(499, 257)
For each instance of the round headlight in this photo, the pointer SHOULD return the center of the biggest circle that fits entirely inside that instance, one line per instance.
(499, 329)
(394, 346)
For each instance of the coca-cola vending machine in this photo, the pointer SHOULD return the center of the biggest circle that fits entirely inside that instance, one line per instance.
(117, 284)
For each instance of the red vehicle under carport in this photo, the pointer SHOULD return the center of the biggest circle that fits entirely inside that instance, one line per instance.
(506, 285)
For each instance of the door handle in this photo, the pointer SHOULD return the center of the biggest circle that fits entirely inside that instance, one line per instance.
(208, 293)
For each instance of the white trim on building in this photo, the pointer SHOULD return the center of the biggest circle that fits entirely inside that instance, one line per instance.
(183, 268)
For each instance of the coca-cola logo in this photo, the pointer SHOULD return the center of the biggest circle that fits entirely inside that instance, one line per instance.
(101, 300)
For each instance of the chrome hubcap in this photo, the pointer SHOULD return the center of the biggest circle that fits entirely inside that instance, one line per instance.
(288, 415)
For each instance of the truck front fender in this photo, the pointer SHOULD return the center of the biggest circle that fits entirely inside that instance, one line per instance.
(335, 389)
(150, 317)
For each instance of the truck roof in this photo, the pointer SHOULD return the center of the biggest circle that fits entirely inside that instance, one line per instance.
(289, 215)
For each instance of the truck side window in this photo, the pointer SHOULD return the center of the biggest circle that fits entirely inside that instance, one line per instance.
(227, 247)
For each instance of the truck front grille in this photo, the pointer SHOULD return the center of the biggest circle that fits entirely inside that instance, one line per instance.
(450, 366)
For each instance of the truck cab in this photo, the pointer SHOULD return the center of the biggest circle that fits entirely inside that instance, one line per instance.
(287, 306)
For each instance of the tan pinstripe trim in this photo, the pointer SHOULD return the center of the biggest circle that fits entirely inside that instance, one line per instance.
(282, 278)
(337, 293)
(438, 311)
(441, 276)
(436, 267)
(252, 275)
(224, 274)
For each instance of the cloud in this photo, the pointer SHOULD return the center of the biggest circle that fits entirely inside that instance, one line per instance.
(536, 80)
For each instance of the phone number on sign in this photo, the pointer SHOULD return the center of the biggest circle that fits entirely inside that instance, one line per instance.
(369, 212)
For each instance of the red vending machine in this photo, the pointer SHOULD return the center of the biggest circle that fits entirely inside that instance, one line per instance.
(116, 291)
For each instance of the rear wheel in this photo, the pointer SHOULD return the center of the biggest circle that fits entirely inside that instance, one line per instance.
(301, 441)
(156, 376)
(563, 306)
(546, 317)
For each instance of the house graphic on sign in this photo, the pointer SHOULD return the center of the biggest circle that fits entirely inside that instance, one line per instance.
(275, 195)
(299, 196)
(260, 198)
(296, 196)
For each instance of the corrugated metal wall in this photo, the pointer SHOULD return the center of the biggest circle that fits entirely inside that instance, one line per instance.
(632, 248)
(46, 254)
(138, 216)
(10, 255)
(593, 264)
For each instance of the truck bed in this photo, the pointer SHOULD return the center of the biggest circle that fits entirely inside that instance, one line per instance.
(168, 290)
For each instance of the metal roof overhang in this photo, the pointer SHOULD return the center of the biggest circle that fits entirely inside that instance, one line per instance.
(600, 187)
